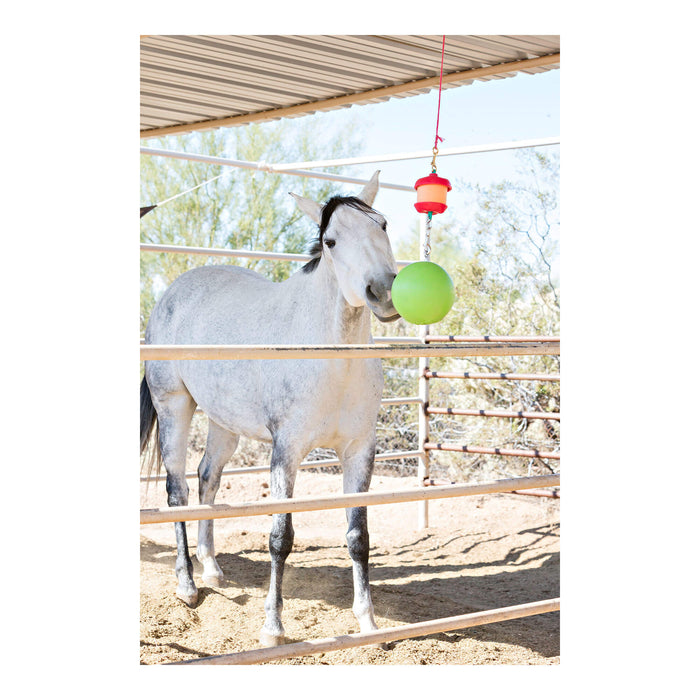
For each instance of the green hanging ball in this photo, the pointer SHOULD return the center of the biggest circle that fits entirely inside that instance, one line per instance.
(423, 293)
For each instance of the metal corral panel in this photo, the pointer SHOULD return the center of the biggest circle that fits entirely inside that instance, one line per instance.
(202, 82)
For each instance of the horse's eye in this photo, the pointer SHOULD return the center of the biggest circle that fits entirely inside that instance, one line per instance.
(330, 243)
(384, 226)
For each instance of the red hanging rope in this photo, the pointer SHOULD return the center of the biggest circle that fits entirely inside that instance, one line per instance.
(437, 125)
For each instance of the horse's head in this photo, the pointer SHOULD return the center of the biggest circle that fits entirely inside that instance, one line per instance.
(353, 241)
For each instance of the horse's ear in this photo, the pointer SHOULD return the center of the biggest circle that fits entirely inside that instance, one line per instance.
(370, 190)
(309, 207)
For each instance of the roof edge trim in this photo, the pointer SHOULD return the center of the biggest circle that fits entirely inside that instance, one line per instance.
(334, 102)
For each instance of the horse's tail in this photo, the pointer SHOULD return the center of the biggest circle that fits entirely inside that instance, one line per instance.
(149, 420)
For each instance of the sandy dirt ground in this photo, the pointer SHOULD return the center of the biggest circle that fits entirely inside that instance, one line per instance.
(479, 553)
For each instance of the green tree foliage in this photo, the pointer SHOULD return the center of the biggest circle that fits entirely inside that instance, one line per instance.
(514, 244)
(242, 209)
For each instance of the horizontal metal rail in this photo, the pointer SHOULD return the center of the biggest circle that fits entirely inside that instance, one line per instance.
(264, 167)
(492, 375)
(315, 352)
(311, 464)
(388, 634)
(377, 339)
(389, 157)
(223, 252)
(407, 340)
(176, 514)
(400, 401)
(502, 451)
(534, 415)
(233, 253)
(538, 492)
(491, 338)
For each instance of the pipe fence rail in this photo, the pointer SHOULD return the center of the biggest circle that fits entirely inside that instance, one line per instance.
(492, 375)
(413, 155)
(222, 252)
(529, 415)
(501, 451)
(310, 464)
(538, 492)
(176, 514)
(491, 338)
(233, 253)
(356, 351)
(388, 634)
(265, 167)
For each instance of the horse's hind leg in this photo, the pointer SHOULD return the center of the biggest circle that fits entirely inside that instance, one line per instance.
(174, 416)
(221, 444)
(283, 468)
(358, 464)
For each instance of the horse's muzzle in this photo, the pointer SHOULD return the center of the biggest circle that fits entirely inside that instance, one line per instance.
(378, 294)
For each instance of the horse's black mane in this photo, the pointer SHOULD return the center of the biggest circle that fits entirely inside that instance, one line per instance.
(328, 208)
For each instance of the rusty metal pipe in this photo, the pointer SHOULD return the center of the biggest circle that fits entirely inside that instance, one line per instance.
(492, 414)
(503, 452)
(493, 375)
(491, 339)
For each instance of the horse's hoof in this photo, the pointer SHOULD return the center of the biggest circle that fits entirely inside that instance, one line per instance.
(213, 580)
(270, 640)
(188, 597)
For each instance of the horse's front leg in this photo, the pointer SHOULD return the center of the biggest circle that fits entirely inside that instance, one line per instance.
(221, 444)
(358, 464)
(283, 468)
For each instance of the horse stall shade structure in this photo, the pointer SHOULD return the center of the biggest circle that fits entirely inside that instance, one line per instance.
(478, 584)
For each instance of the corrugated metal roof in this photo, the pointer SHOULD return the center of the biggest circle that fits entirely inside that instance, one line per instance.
(202, 82)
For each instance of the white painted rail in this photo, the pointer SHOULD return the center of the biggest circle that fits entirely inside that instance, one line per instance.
(249, 165)
(234, 253)
(389, 634)
(177, 514)
(311, 464)
(413, 155)
(329, 352)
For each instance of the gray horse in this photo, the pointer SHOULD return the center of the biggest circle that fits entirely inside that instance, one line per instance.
(296, 405)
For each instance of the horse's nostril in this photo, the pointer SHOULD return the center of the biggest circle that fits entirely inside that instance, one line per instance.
(371, 295)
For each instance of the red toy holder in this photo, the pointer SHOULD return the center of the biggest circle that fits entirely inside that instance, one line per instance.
(432, 194)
